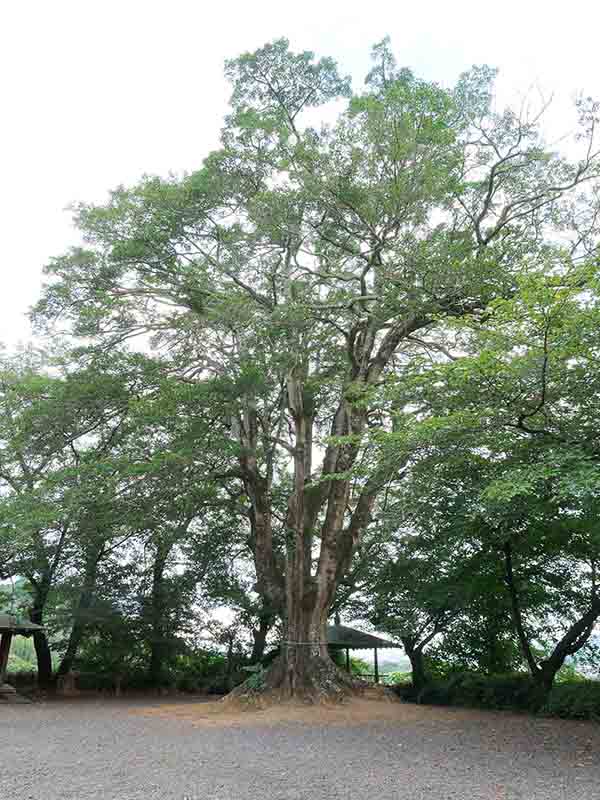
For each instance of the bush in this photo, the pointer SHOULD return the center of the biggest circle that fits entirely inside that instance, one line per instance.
(398, 678)
(16, 664)
(577, 700)
(512, 691)
(95, 681)
(200, 671)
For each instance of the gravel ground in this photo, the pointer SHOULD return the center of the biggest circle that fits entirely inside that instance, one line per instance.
(135, 750)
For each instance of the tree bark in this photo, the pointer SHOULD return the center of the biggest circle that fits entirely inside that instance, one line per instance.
(259, 636)
(269, 573)
(79, 620)
(544, 673)
(417, 664)
(41, 645)
(304, 653)
(517, 613)
(159, 644)
(572, 641)
(304, 595)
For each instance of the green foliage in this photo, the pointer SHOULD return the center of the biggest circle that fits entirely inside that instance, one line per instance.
(399, 678)
(570, 699)
(256, 680)
(568, 673)
(359, 667)
(413, 292)
(193, 671)
(18, 664)
(199, 671)
(512, 691)
(22, 655)
(574, 700)
(113, 646)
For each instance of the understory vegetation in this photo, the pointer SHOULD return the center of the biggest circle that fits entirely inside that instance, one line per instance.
(349, 367)
(569, 699)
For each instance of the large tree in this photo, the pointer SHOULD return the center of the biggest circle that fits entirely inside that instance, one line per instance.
(302, 266)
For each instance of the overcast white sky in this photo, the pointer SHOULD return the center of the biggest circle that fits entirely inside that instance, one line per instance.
(93, 94)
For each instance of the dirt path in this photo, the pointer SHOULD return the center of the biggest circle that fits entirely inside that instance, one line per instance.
(134, 750)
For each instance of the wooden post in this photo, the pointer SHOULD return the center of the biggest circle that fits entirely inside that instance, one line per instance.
(347, 660)
(4, 651)
(376, 665)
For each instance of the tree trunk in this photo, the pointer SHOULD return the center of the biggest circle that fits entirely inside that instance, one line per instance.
(572, 641)
(229, 663)
(516, 612)
(544, 673)
(159, 644)
(79, 621)
(259, 636)
(417, 665)
(304, 594)
(305, 669)
(40, 643)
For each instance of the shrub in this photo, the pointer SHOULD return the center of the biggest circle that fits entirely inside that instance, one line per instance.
(201, 670)
(95, 681)
(360, 667)
(398, 678)
(198, 671)
(406, 691)
(576, 700)
(256, 680)
(514, 691)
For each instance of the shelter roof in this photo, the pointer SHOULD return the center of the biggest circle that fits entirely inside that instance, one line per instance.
(342, 636)
(11, 624)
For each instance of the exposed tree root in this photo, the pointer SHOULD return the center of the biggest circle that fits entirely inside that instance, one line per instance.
(321, 682)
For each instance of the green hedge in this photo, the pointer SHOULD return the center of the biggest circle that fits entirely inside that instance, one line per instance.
(576, 700)
(473, 689)
(203, 671)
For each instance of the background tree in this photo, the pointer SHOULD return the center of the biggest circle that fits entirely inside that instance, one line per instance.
(510, 432)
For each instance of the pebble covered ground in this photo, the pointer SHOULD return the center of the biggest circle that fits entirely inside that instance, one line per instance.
(170, 750)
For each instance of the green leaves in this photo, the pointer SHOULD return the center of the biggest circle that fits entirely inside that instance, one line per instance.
(422, 266)
(276, 81)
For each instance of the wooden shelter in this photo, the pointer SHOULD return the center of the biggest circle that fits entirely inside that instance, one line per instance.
(340, 637)
(11, 626)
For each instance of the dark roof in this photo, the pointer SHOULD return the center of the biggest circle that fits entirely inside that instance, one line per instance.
(11, 624)
(342, 636)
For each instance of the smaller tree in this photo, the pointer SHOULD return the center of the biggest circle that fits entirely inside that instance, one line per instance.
(506, 444)
(419, 594)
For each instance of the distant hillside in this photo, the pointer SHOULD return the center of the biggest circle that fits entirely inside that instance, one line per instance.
(397, 665)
